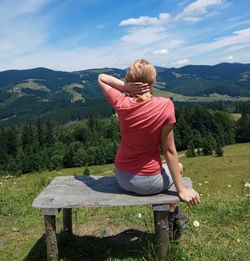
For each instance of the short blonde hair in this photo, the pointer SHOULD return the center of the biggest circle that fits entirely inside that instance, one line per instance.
(141, 71)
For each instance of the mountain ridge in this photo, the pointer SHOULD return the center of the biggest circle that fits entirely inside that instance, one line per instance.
(36, 92)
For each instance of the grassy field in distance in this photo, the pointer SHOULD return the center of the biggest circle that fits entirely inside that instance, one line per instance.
(126, 233)
(210, 98)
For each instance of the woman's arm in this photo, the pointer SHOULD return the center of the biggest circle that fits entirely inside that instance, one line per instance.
(168, 145)
(107, 81)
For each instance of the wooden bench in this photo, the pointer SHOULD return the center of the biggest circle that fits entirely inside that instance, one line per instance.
(67, 192)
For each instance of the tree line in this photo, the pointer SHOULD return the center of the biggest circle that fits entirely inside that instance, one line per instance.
(44, 146)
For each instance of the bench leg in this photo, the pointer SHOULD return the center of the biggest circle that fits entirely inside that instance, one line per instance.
(67, 223)
(51, 242)
(161, 223)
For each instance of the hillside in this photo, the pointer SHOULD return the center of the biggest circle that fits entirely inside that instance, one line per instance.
(231, 79)
(26, 95)
(126, 233)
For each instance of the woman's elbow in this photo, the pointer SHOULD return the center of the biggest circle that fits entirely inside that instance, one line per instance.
(100, 77)
(170, 152)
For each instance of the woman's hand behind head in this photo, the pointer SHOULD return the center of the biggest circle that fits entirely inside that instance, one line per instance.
(136, 87)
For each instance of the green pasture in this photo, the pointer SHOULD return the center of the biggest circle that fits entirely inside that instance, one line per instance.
(210, 98)
(126, 233)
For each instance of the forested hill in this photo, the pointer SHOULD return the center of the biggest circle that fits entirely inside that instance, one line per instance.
(41, 92)
(232, 79)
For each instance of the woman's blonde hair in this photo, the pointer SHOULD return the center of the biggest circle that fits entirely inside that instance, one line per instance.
(141, 71)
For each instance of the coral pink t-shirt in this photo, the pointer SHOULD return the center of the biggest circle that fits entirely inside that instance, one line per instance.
(140, 126)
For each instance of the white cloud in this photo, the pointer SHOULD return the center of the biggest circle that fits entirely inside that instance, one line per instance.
(181, 62)
(147, 20)
(191, 19)
(142, 20)
(164, 18)
(19, 34)
(194, 11)
(237, 44)
(15, 8)
(22, 37)
(237, 37)
(145, 35)
(160, 52)
(221, 47)
(24, 40)
(229, 58)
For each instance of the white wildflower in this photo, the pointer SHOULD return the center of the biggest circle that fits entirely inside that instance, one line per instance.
(238, 240)
(201, 194)
(1, 183)
(229, 185)
(205, 182)
(196, 223)
(200, 184)
(15, 229)
(247, 184)
(139, 215)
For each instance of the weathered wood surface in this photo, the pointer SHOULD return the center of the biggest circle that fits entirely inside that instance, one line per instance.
(96, 191)
(51, 241)
(162, 233)
(67, 223)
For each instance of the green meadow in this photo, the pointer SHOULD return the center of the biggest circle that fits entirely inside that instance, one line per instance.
(127, 233)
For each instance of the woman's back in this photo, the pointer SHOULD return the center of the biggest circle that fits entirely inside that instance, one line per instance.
(143, 125)
(140, 125)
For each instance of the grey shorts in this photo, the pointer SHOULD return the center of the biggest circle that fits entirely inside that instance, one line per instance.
(144, 185)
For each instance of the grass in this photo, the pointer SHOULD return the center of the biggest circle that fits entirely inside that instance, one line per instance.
(74, 94)
(210, 98)
(121, 233)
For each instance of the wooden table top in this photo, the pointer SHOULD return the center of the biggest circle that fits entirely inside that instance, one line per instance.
(97, 191)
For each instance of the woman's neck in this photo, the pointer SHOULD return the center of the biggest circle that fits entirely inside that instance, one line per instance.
(143, 97)
(147, 95)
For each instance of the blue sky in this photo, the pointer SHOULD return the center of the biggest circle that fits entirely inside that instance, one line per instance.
(80, 34)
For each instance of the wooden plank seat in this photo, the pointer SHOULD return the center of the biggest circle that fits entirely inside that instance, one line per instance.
(67, 192)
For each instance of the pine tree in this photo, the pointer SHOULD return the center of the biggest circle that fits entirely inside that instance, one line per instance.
(190, 150)
(92, 122)
(197, 139)
(49, 133)
(79, 157)
(206, 148)
(12, 166)
(27, 138)
(40, 133)
(211, 140)
(219, 151)
(56, 162)
(68, 160)
(11, 141)
(86, 171)
(3, 149)
(243, 128)
(199, 153)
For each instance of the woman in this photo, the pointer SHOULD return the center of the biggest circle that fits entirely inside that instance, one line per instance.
(146, 122)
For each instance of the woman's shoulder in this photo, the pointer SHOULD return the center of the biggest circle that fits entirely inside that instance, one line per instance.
(162, 99)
